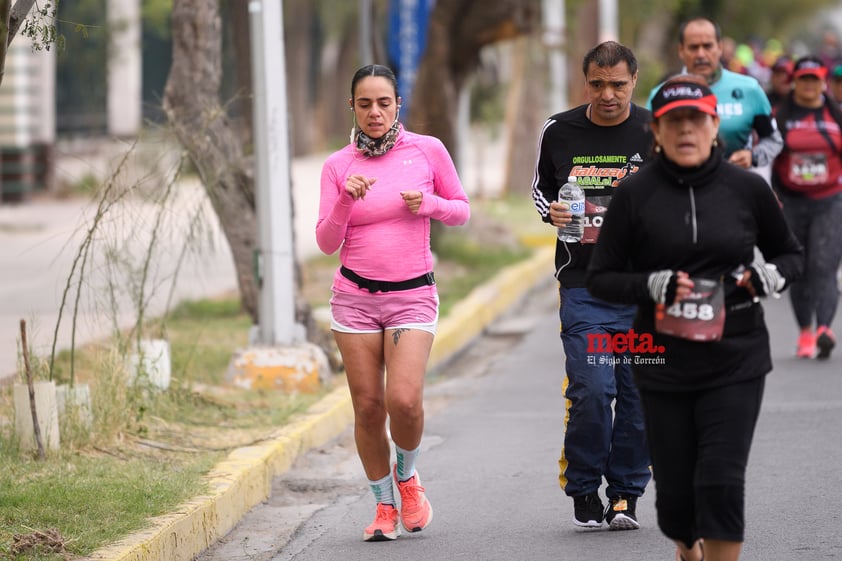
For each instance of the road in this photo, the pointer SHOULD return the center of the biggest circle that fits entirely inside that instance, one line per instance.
(489, 463)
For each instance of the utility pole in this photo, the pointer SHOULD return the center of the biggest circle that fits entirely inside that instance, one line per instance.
(555, 41)
(124, 68)
(608, 21)
(275, 258)
(365, 33)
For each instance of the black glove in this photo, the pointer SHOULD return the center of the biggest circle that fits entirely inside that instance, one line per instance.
(766, 280)
(662, 286)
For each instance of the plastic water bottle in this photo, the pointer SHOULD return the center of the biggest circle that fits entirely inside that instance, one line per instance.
(573, 195)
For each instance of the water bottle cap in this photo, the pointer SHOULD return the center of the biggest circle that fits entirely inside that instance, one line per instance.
(571, 179)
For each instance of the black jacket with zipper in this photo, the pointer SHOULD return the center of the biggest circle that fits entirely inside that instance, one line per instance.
(705, 221)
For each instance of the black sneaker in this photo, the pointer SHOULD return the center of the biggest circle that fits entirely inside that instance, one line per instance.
(620, 513)
(825, 341)
(587, 511)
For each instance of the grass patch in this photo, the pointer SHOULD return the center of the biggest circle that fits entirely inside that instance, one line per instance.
(468, 263)
(58, 495)
(202, 334)
(86, 186)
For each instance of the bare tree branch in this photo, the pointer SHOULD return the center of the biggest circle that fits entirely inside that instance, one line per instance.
(11, 18)
(193, 107)
(18, 13)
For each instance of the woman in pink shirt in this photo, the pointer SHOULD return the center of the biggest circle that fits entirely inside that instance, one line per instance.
(378, 195)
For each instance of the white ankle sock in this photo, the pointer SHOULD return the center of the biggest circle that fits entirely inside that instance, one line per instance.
(383, 490)
(406, 462)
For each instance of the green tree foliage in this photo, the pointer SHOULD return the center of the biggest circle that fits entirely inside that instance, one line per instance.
(156, 16)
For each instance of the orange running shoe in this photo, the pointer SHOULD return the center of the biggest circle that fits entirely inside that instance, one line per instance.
(806, 344)
(385, 526)
(416, 511)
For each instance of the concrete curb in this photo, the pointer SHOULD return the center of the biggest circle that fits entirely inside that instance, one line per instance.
(244, 478)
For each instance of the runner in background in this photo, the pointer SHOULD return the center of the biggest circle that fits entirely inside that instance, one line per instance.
(743, 107)
(807, 176)
(780, 80)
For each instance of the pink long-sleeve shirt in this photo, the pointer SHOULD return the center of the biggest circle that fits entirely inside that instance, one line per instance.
(379, 237)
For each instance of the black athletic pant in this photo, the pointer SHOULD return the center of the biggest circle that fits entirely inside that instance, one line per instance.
(817, 223)
(700, 441)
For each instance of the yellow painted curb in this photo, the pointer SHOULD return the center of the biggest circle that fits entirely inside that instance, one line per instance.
(244, 478)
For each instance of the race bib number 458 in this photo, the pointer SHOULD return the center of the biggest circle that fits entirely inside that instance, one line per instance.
(699, 317)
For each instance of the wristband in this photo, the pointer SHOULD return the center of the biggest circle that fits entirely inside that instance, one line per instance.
(662, 285)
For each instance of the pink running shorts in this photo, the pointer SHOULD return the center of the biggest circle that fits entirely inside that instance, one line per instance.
(360, 311)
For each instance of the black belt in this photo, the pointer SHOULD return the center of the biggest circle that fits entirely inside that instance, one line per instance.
(387, 286)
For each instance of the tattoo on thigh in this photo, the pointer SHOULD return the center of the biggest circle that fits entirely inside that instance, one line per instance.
(397, 334)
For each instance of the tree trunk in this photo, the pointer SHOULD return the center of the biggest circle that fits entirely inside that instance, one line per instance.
(11, 18)
(339, 60)
(192, 105)
(457, 31)
(525, 112)
(237, 16)
(5, 11)
(584, 36)
(299, 22)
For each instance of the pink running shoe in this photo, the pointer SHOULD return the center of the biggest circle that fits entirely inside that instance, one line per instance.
(806, 344)
(385, 526)
(825, 341)
(416, 511)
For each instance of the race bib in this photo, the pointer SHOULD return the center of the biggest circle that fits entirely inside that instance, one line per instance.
(595, 208)
(699, 317)
(808, 169)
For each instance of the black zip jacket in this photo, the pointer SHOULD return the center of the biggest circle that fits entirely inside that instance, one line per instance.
(705, 221)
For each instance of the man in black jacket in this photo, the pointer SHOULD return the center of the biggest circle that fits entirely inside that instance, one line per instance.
(599, 143)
